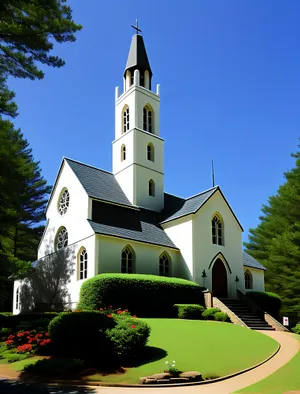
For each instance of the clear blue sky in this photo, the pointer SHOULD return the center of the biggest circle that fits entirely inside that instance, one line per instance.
(230, 86)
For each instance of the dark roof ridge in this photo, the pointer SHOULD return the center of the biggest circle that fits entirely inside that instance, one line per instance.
(87, 165)
(205, 191)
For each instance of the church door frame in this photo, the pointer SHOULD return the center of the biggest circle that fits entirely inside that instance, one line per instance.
(219, 277)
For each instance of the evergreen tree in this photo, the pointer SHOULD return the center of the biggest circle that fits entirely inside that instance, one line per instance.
(276, 242)
(23, 197)
(28, 29)
(7, 106)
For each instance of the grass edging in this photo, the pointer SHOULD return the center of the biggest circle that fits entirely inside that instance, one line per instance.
(71, 383)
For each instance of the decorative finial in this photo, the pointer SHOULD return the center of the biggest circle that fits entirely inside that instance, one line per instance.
(136, 27)
(213, 173)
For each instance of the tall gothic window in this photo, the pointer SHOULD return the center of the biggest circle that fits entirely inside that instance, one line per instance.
(164, 265)
(151, 188)
(61, 238)
(147, 119)
(127, 260)
(82, 264)
(123, 152)
(217, 230)
(248, 280)
(18, 298)
(150, 152)
(125, 119)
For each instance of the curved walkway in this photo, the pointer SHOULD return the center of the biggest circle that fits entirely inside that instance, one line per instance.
(289, 348)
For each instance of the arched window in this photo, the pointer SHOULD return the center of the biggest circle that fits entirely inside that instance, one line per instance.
(18, 298)
(164, 265)
(150, 152)
(64, 202)
(61, 238)
(147, 119)
(123, 152)
(217, 230)
(125, 119)
(151, 188)
(127, 260)
(248, 280)
(82, 264)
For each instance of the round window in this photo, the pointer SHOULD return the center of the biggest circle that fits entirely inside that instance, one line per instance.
(64, 202)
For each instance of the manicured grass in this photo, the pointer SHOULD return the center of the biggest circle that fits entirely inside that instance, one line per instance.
(212, 348)
(19, 365)
(285, 379)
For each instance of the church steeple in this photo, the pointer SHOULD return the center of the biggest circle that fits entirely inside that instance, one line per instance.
(138, 60)
(138, 153)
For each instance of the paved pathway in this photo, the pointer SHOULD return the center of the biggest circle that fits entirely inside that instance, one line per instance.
(289, 347)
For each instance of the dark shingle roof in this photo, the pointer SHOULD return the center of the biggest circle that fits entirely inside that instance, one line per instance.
(137, 56)
(99, 184)
(176, 207)
(250, 261)
(139, 225)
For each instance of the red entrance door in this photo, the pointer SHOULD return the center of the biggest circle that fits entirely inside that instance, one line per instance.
(219, 279)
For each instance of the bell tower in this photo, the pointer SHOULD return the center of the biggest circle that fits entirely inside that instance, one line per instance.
(138, 149)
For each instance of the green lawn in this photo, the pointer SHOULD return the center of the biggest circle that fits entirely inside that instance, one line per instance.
(212, 348)
(287, 378)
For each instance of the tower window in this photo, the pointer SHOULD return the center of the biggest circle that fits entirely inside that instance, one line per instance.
(217, 230)
(127, 263)
(164, 265)
(123, 152)
(151, 188)
(125, 119)
(150, 152)
(142, 79)
(83, 260)
(147, 119)
(18, 298)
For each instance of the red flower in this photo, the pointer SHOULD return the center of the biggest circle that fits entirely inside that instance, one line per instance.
(126, 310)
(134, 316)
(11, 337)
(119, 312)
(101, 309)
(24, 348)
(110, 306)
(133, 326)
(45, 342)
(109, 315)
(46, 334)
(9, 342)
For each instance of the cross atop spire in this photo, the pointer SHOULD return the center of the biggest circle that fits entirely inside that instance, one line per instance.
(136, 27)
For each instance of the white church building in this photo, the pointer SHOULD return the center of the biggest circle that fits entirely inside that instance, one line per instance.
(124, 221)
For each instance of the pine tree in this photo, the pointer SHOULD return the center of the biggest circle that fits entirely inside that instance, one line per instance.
(276, 242)
(23, 197)
(28, 29)
(7, 106)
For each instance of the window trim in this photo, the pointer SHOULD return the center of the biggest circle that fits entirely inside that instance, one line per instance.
(150, 152)
(248, 281)
(82, 265)
(148, 119)
(217, 229)
(127, 256)
(125, 119)
(123, 152)
(163, 259)
(151, 188)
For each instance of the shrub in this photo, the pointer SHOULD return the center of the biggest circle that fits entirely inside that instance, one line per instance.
(190, 311)
(221, 316)
(28, 321)
(97, 336)
(5, 314)
(4, 333)
(296, 329)
(143, 295)
(128, 337)
(209, 314)
(267, 301)
(14, 357)
(53, 368)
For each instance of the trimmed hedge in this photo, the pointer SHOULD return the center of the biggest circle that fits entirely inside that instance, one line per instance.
(267, 301)
(296, 329)
(143, 295)
(190, 311)
(221, 316)
(97, 336)
(28, 321)
(209, 314)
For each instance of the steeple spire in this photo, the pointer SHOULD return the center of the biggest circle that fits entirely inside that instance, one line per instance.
(137, 57)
